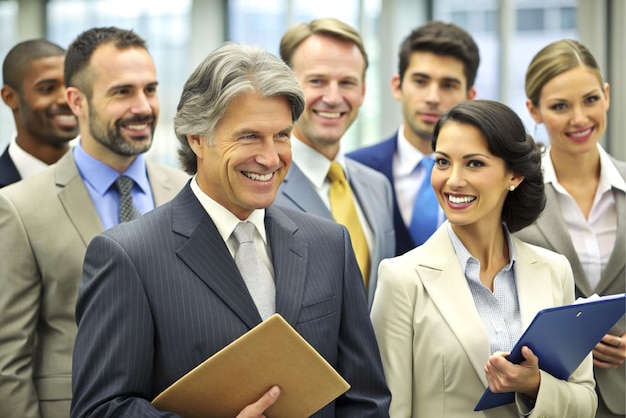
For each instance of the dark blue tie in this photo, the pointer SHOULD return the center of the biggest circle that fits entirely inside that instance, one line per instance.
(424, 220)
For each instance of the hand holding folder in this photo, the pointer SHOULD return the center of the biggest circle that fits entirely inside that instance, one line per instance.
(561, 337)
(272, 353)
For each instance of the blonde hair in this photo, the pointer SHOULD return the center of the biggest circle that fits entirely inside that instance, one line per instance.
(554, 59)
(326, 26)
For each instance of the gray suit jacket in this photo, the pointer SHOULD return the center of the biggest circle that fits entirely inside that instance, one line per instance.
(162, 293)
(372, 190)
(550, 231)
(46, 222)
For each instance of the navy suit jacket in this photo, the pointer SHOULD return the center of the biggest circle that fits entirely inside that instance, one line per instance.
(162, 293)
(8, 171)
(380, 158)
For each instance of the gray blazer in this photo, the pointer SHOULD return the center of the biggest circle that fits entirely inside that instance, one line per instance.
(162, 293)
(549, 231)
(46, 222)
(372, 190)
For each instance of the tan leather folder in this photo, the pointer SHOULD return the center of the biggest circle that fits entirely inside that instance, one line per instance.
(272, 353)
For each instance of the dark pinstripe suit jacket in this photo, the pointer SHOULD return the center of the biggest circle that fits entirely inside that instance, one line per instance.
(162, 293)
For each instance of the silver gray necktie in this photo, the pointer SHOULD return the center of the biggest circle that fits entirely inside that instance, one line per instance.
(255, 274)
(128, 211)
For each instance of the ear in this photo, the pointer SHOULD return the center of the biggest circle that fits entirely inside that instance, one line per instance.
(9, 97)
(471, 93)
(607, 91)
(196, 144)
(516, 180)
(77, 102)
(396, 87)
(534, 112)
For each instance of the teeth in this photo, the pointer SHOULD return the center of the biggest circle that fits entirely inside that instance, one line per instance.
(258, 177)
(137, 127)
(66, 118)
(461, 199)
(329, 115)
(581, 134)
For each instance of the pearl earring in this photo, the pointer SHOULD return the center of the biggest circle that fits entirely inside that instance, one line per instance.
(511, 188)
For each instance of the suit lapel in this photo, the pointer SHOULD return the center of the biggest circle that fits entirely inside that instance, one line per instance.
(533, 283)
(298, 189)
(73, 195)
(289, 256)
(552, 227)
(445, 283)
(617, 261)
(206, 254)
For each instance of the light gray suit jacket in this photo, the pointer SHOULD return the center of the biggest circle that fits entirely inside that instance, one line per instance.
(162, 293)
(550, 231)
(433, 342)
(372, 190)
(46, 222)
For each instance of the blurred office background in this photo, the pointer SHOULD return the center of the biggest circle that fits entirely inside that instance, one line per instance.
(180, 33)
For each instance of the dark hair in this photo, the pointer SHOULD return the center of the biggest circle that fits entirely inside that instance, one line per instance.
(506, 139)
(20, 58)
(445, 39)
(229, 71)
(79, 52)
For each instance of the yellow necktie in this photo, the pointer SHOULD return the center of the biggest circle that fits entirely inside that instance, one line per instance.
(343, 210)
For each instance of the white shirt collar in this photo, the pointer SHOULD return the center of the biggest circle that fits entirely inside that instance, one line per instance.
(609, 175)
(407, 156)
(26, 164)
(313, 164)
(225, 220)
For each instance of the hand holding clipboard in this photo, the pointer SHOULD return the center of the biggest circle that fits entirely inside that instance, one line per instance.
(561, 337)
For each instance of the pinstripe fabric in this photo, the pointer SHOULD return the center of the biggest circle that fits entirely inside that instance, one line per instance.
(374, 194)
(162, 293)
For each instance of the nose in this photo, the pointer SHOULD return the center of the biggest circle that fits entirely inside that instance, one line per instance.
(61, 99)
(141, 104)
(268, 155)
(456, 178)
(332, 94)
(579, 117)
(432, 93)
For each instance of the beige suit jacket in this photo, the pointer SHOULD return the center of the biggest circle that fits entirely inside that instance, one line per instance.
(434, 346)
(46, 222)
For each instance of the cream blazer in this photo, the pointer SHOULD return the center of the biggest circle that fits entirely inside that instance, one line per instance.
(433, 343)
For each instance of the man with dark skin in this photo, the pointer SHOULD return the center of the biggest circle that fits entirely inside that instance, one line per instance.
(34, 90)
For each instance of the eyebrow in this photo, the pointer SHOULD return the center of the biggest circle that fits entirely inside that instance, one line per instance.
(448, 79)
(466, 156)
(132, 86)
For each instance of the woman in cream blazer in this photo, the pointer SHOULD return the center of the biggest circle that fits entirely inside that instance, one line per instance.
(440, 310)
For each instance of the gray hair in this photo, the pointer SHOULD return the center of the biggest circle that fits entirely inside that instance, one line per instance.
(229, 71)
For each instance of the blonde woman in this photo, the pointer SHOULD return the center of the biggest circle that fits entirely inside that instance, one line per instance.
(585, 212)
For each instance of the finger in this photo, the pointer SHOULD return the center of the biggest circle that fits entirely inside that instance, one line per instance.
(257, 409)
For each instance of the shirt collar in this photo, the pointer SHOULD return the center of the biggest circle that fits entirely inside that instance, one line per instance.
(609, 174)
(225, 220)
(464, 255)
(101, 176)
(313, 164)
(26, 164)
(408, 157)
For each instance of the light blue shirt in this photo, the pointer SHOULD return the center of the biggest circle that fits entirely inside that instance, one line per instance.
(499, 310)
(99, 179)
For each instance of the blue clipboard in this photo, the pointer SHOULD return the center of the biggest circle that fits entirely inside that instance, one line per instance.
(561, 337)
